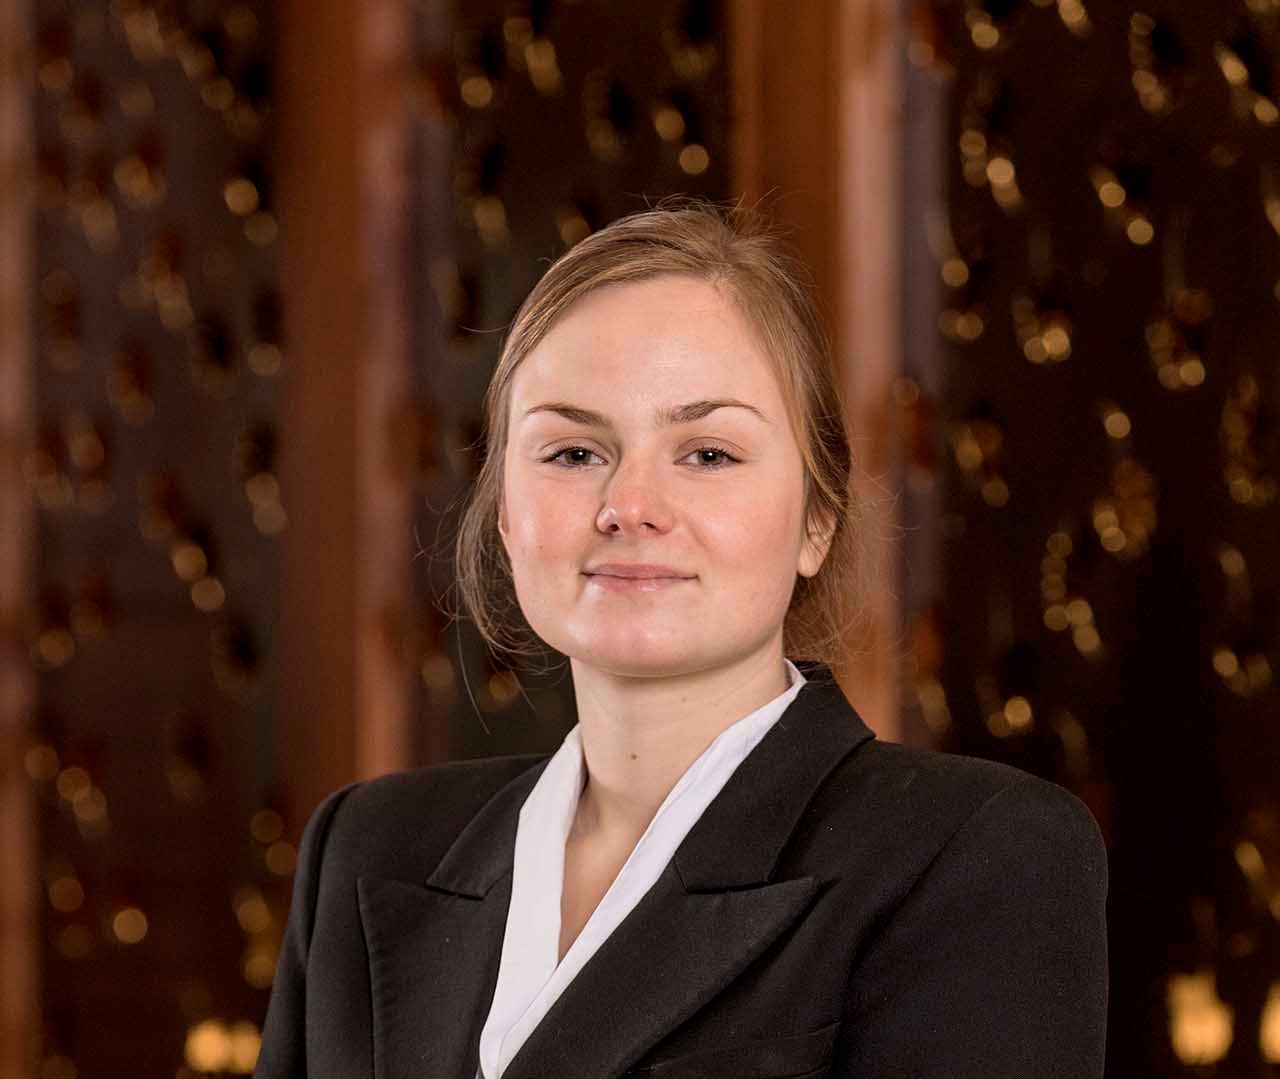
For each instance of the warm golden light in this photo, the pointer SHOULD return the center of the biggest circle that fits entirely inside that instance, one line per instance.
(41, 762)
(241, 196)
(1116, 424)
(1079, 613)
(573, 227)
(264, 359)
(1074, 17)
(1000, 171)
(1139, 230)
(266, 826)
(1231, 560)
(129, 925)
(261, 228)
(544, 69)
(1200, 1024)
(517, 29)
(490, 216)
(955, 272)
(1269, 1028)
(1057, 342)
(208, 594)
(1249, 859)
(252, 911)
(71, 781)
(1017, 710)
(995, 492)
(972, 142)
(668, 123)
(1111, 194)
(90, 805)
(262, 488)
(259, 966)
(270, 519)
(1225, 662)
(437, 672)
(1055, 618)
(188, 560)
(1191, 371)
(985, 35)
(1232, 67)
(1086, 639)
(694, 159)
(66, 894)
(503, 687)
(476, 91)
(243, 1043)
(55, 646)
(281, 858)
(208, 1046)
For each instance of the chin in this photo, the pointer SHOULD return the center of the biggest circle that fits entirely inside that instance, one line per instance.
(636, 659)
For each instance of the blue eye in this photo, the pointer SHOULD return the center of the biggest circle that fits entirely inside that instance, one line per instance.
(725, 457)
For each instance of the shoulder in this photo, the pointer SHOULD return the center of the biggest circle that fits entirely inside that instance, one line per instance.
(985, 890)
(452, 784)
(405, 821)
(915, 803)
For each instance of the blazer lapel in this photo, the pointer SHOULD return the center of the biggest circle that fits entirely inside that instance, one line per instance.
(434, 951)
(434, 948)
(714, 909)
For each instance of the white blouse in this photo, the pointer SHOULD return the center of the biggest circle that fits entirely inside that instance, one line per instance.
(529, 978)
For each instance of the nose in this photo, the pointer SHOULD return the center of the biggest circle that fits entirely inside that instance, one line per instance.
(634, 502)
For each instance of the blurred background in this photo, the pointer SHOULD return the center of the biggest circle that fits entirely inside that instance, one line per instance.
(256, 259)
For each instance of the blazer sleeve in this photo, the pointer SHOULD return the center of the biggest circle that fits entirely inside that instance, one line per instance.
(994, 965)
(283, 1054)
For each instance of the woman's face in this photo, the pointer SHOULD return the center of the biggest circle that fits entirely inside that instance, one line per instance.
(615, 454)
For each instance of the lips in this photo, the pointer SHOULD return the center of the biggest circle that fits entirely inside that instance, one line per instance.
(637, 571)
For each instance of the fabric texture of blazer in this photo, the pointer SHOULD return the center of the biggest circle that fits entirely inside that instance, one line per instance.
(845, 907)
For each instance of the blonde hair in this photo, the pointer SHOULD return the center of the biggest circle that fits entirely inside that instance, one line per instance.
(729, 246)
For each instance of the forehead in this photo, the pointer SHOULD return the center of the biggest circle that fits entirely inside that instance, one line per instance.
(664, 336)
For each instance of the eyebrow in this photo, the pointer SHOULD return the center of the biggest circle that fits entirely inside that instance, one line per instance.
(666, 417)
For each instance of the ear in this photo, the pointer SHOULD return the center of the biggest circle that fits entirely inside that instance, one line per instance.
(821, 531)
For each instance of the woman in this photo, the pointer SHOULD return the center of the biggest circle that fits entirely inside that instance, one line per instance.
(721, 872)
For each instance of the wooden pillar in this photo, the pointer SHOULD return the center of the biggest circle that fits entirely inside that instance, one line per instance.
(19, 861)
(343, 164)
(870, 332)
(816, 127)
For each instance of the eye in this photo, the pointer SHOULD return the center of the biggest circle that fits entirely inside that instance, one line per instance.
(725, 458)
(567, 450)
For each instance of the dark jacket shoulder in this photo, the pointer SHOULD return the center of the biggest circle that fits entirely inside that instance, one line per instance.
(913, 802)
(402, 823)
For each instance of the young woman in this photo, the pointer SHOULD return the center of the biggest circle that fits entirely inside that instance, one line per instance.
(721, 872)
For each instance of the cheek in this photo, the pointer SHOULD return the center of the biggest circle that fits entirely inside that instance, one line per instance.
(756, 539)
(539, 527)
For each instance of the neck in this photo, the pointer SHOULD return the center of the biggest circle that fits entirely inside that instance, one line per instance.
(640, 735)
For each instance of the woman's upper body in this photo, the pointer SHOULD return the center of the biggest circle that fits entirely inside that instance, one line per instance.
(845, 907)
(667, 499)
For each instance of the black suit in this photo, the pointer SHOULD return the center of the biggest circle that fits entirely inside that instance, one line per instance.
(844, 907)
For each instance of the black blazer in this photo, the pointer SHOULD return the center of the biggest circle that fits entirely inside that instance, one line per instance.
(845, 907)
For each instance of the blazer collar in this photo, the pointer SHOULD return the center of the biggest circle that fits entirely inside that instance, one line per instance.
(434, 950)
(763, 799)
